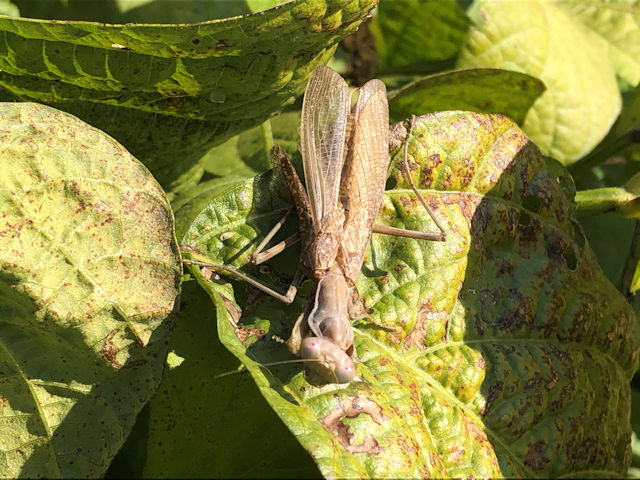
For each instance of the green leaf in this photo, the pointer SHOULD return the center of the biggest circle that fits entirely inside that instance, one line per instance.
(503, 351)
(416, 36)
(635, 441)
(204, 426)
(241, 157)
(246, 154)
(90, 272)
(170, 92)
(615, 160)
(546, 41)
(142, 11)
(610, 237)
(478, 90)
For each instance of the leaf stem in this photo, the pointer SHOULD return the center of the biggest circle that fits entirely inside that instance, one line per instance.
(267, 135)
(599, 201)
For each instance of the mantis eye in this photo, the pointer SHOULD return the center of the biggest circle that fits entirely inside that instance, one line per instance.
(332, 363)
(345, 370)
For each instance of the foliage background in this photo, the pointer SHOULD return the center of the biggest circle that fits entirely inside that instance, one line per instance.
(195, 103)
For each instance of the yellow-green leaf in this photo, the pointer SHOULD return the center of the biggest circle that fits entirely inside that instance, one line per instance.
(89, 273)
(541, 38)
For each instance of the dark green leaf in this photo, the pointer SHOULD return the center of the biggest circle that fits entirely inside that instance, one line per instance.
(201, 426)
(246, 154)
(610, 237)
(416, 36)
(482, 90)
(142, 11)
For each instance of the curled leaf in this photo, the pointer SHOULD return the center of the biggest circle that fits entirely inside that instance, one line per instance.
(169, 92)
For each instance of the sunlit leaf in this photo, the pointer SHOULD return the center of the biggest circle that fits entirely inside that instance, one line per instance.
(170, 92)
(89, 274)
(547, 41)
(617, 22)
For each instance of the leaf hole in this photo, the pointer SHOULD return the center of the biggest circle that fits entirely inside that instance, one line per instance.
(532, 203)
(524, 219)
(570, 259)
(391, 183)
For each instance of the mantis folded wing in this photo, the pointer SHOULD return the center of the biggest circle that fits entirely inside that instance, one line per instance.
(345, 160)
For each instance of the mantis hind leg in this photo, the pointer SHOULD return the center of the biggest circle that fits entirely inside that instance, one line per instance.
(440, 236)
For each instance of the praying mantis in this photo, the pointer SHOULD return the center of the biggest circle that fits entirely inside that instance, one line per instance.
(345, 159)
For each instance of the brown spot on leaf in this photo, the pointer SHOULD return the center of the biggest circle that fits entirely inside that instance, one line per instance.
(244, 334)
(110, 350)
(406, 202)
(468, 204)
(492, 394)
(474, 432)
(425, 315)
(233, 310)
(206, 273)
(351, 407)
(535, 458)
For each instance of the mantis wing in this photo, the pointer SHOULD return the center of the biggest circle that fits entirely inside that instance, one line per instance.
(366, 174)
(323, 127)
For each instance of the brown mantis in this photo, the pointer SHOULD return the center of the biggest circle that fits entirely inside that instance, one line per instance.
(345, 159)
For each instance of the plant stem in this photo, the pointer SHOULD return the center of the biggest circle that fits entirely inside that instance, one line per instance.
(267, 135)
(599, 201)
(631, 273)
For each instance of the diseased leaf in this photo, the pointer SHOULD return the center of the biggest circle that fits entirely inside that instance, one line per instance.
(89, 274)
(503, 351)
(540, 38)
(483, 90)
(171, 92)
